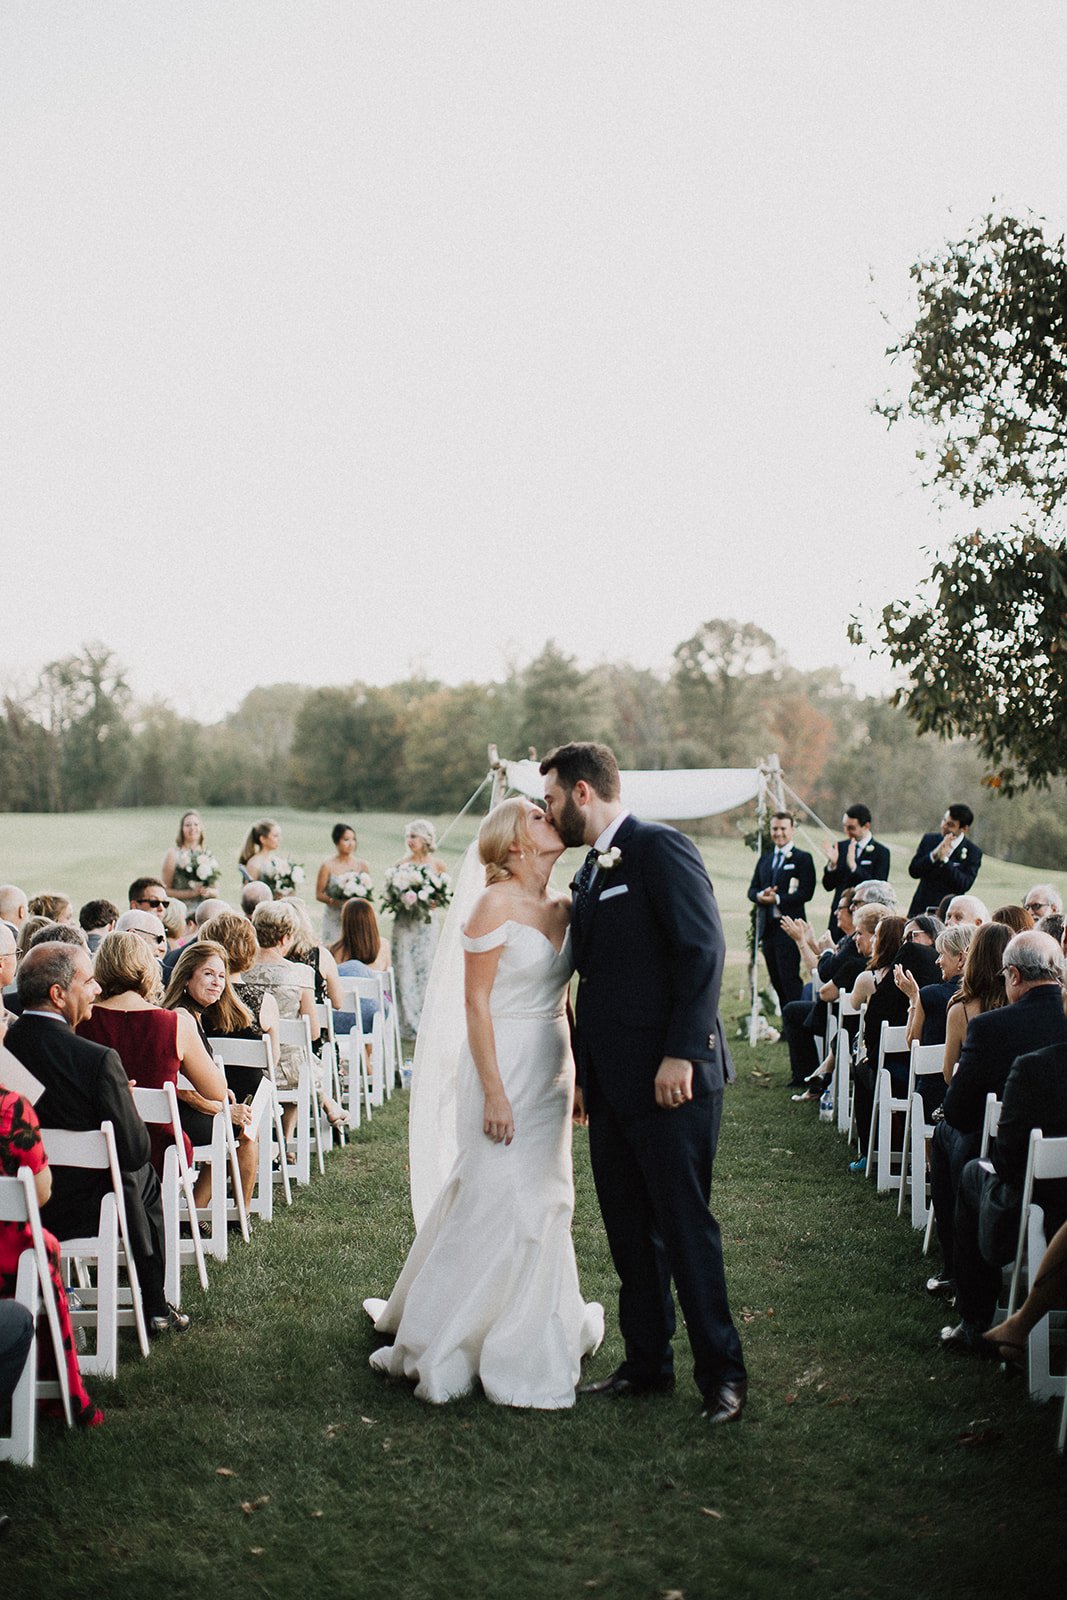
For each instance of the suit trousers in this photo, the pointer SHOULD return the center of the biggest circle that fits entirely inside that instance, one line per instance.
(652, 1171)
(782, 956)
(950, 1150)
(977, 1279)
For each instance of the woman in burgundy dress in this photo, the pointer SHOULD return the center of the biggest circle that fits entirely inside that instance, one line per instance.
(153, 1044)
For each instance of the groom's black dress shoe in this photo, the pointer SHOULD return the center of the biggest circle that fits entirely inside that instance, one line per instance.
(726, 1403)
(619, 1387)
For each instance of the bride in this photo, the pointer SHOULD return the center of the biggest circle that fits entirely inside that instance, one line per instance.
(489, 1291)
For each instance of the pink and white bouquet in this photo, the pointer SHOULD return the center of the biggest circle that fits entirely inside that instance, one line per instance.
(200, 867)
(412, 890)
(281, 876)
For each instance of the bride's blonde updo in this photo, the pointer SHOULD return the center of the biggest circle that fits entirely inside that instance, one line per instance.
(506, 825)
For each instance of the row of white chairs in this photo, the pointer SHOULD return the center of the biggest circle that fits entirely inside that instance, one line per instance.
(904, 1170)
(358, 1076)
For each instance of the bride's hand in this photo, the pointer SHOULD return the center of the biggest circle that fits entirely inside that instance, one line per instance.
(498, 1123)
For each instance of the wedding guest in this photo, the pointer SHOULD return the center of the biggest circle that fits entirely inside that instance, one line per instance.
(886, 1004)
(147, 894)
(253, 895)
(20, 1146)
(86, 1085)
(415, 938)
(1052, 923)
(154, 1045)
(44, 933)
(330, 872)
(263, 839)
(203, 914)
(233, 933)
(56, 907)
(967, 908)
(146, 927)
(928, 1006)
(1017, 918)
(14, 905)
(31, 925)
(179, 882)
(8, 960)
(96, 918)
(1048, 1292)
(175, 924)
(981, 987)
(1041, 899)
(361, 940)
(200, 987)
(849, 965)
(946, 862)
(854, 859)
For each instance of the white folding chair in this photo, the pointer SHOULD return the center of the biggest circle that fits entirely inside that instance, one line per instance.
(927, 1061)
(330, 1059)
(355, 1081)
(842, 1080)
(160, 1106)
(1046, 1160)
(394, 1045)
(105, 1306)
(891, 1041)
(34, 1289)
(220, 1154)
(990, 1123)
(369, 988)
(257, 1053)
(296, 1031)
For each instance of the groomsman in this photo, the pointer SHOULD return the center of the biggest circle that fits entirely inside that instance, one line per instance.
(856, 858)
(946, 862)
(782, 884)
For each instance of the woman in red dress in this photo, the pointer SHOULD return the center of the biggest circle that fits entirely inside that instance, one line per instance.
(20, 1146)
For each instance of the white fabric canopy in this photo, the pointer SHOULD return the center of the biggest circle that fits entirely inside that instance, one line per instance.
(662, 796)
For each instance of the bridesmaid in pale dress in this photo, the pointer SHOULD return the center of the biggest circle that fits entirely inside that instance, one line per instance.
(414, 941)
(346, 860)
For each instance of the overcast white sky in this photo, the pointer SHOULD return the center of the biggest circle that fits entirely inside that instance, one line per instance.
(380, 334)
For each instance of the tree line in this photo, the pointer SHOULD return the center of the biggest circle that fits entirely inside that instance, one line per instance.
(80, 741)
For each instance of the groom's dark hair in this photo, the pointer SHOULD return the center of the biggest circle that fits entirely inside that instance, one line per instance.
(594, 764)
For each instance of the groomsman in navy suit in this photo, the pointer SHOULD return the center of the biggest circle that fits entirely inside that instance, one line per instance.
(857, 858)
(782, 885)
(946, 862)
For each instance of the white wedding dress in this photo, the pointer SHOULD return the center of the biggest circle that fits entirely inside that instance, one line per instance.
(489, 1291)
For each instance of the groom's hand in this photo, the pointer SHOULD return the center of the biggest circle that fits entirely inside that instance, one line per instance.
(674, 1082)
(579, 1115)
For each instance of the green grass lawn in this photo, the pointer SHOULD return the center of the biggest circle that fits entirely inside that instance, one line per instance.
(855, 1470)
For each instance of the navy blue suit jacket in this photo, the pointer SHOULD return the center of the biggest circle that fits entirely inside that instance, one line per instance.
(1035, 1096)
(649, 949)
(798, 868)
(872, 865)
(994, 1040)
(939, 878)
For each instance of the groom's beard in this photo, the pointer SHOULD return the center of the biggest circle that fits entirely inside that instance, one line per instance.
(570, 824)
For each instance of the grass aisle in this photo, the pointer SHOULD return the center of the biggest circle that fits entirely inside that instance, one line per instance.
(847, 1475)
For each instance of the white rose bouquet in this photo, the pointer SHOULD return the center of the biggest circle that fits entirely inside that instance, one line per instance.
(282, 877)
(351, 886)
(200, 868)
(412, 890)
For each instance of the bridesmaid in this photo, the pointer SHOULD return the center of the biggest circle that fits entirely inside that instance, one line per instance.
(263, 839)
(177, 882)
(346, 860)
(414, 941)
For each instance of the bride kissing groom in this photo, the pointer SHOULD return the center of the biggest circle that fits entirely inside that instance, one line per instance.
(489, 1291)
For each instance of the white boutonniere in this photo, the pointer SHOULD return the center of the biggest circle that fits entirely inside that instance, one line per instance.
(608, 859)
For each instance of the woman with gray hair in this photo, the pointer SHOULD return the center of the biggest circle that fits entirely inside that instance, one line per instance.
(414, 934)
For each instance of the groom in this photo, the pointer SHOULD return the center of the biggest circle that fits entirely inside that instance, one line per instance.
(652, 1063)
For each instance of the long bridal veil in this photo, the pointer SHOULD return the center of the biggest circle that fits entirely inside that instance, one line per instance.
(432, 1140)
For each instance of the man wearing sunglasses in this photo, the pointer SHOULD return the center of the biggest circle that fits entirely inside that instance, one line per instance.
(148, 894)
(146, 927)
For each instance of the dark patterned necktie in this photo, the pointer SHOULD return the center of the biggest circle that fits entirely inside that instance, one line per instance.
(582, 885)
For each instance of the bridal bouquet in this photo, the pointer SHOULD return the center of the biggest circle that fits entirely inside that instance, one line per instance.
(414, 891)
(351, 886)
(282, 877)
(199, 866)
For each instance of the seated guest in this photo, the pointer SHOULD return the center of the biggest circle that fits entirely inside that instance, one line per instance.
(20, 1146)
(1048, 1292)
(154, 1045)
(8, 960)
(1053, 923)
(253, 895)
(1031, 1019)
(946, 862)
(846, 968)
(56, 907)
(146, 927)
(14, 905)
(31, 925)
(173, 918)
(233, 934)
(46, 933)
(307, 949)
(928, 1006)
(96, 918)
(1043, 898)
(1017, 918)
(988, 1204)
(981, 987)
(361, 941)
(923, 929)
(966, 908)
(16, 1337)
(887, 1004)
(148, 894)
(875, 892)
(206, 909)
(200, 988)
(85, 1085)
